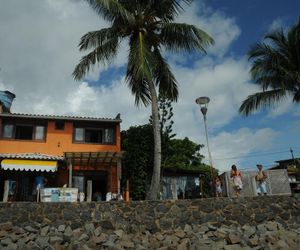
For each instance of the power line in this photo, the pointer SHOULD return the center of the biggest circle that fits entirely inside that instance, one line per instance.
(252, 155)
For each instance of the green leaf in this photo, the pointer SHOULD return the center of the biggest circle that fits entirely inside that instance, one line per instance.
(275, 68)
(179, 37)
(104, 53)
(111, 9)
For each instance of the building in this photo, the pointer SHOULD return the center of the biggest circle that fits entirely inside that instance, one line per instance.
(182, 184)
(293, 169)
(79, 152)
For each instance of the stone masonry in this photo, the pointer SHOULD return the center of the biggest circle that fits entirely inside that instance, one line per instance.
(271, 222)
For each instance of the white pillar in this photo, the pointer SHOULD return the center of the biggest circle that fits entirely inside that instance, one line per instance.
(89, 190)
(119, 175)
(6, 188)
(70, 174)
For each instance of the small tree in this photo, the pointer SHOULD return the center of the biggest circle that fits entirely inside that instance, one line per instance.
(137, 142)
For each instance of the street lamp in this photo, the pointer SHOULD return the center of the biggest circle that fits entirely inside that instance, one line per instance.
(203, 103)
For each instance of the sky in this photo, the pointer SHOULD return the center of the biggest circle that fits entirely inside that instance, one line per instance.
(39, 50)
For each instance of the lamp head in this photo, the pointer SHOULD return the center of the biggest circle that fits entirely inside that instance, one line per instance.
(203, 100)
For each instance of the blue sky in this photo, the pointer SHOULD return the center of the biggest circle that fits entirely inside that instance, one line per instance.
(255, 18)
(39, 51)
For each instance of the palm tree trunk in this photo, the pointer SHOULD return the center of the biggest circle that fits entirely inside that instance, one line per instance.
(155, 182)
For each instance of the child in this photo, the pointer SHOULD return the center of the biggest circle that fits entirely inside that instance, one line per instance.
(218, 184)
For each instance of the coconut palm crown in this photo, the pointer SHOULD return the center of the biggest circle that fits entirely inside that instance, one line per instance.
(148, 26)
(276, 68)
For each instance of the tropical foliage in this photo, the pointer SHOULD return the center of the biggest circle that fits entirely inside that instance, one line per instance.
(276, 68)
(183, 156)
(137, 142)
(148, 26)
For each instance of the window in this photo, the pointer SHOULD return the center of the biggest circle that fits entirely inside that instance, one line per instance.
(79, 134)
(39, 132)
(109, 135)
(94, 135)
(8, 131)
(24, 132)
(59, 125)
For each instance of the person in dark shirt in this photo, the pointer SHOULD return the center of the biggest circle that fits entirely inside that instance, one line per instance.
(40, 181)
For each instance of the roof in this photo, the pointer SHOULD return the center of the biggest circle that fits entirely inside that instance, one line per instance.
(288, 160)
(93, 158)
(61, 117)
(31, 156)
(79, 158)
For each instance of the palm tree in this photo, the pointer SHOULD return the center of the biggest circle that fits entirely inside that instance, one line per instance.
(148, 27)
(276, 68)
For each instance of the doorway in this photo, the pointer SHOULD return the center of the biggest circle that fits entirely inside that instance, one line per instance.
(99, 183)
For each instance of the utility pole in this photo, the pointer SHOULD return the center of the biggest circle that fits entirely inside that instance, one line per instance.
(292, 153)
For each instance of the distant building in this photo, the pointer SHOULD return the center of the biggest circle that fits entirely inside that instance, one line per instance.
(182, 184)
(293, 169)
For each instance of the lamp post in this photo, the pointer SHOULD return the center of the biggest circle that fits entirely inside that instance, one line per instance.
(203, 103)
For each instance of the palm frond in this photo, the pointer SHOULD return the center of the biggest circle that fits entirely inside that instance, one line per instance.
(268, 63)
(164, 78)
(97, 38)
(139, 89)
(110, 9)
(257, 50)
(165, 10)
(278, 41)
(104, 54)
(140, 57)
(296, 97)
(261, 99)
(184, 37)
(139, 71)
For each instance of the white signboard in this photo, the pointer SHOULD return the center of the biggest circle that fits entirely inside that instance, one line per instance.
(59, 194)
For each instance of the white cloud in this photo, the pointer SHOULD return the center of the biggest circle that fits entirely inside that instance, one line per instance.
(222, 28)
(107, 101)
(225, 83)
(238, 144)
(277, 23)
(39, 51)
(83, 98)
(4, 86)
(282, 107)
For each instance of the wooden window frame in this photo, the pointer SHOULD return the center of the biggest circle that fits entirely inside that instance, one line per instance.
(94, 128)
(15, 124)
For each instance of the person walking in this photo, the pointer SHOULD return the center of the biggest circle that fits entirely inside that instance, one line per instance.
(218, 184)
(260, 178)
(236, 176)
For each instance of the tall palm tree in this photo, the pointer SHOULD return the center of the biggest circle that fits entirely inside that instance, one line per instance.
(276, 68)
(148, 27)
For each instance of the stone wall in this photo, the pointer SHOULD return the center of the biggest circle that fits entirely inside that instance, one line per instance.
(63, 224)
